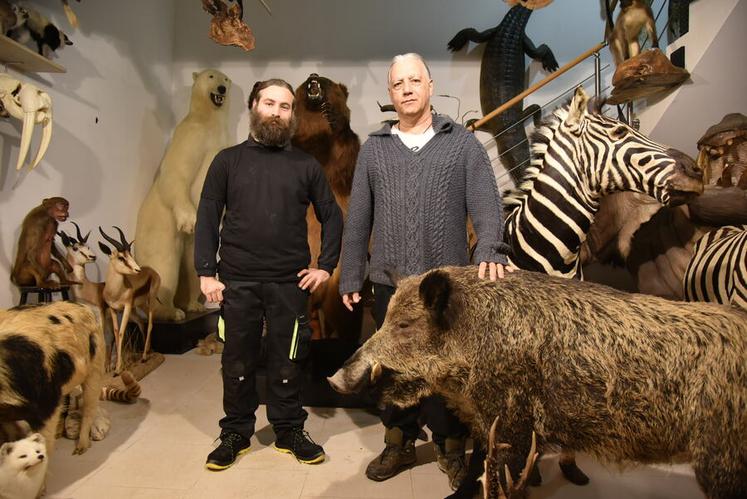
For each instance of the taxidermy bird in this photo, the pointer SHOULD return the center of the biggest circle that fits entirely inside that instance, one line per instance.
(47, 36)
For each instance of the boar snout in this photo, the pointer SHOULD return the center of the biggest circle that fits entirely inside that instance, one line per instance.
(354, 376)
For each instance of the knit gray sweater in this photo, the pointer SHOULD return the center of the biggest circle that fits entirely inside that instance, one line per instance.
(415, 205)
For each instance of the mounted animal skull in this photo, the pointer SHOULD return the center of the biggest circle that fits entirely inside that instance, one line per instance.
(31, 105)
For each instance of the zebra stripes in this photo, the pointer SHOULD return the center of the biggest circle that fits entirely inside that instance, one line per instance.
(717, 271)
(578, 156)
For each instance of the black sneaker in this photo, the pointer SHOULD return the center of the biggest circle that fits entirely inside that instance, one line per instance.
(297, 441)
(232, 445)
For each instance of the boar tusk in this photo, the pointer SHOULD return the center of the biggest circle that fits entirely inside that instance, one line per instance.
(46, 138)
(375, 372)
(28, 129)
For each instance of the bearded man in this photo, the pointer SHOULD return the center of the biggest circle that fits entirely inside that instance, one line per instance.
(265, 186)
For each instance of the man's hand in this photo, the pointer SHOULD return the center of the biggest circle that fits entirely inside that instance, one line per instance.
(212, 288)
(312, 278)
(348, 299)
(494, 269)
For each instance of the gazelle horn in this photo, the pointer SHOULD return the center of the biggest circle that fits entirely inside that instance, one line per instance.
(117, 245)
(81, 239)
(125, 244)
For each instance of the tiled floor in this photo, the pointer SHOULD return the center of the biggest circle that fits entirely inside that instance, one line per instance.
(157, 448)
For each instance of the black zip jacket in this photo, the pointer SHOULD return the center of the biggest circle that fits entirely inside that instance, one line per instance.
(265, 192)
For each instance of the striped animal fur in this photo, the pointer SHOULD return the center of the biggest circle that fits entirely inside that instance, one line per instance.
(717, 271)
(578, 156)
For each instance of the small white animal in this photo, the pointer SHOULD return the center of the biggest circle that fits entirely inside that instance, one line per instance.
(23, 465)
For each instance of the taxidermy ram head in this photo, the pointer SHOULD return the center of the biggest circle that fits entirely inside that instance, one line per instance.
(31, 105)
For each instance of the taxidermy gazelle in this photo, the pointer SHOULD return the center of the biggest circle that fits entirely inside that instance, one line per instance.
(29, 104)
(78, 255)
(128, 286)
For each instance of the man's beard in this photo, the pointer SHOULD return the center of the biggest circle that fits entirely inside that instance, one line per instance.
(271, 131)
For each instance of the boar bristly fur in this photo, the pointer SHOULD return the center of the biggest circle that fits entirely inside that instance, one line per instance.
(624, 377)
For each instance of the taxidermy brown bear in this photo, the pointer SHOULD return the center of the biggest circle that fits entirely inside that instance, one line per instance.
(324, 132)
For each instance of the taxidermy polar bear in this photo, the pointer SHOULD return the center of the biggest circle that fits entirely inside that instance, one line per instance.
(165, 223)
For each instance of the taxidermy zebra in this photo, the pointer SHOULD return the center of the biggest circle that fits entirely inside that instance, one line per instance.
(578, 156)
(717, 271)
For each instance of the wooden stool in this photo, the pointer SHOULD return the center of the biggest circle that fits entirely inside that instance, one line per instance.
(44, 295)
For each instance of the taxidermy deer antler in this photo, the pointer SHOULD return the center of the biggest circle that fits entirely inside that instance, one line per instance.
(29, 104)
(227, 26)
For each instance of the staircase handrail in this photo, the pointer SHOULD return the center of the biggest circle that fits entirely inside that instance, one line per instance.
(511, 102)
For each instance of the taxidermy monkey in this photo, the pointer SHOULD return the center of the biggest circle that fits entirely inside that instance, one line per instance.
(34, 262)
(635, 15)
(47, 36)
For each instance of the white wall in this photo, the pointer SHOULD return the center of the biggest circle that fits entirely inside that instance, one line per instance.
(119, 72)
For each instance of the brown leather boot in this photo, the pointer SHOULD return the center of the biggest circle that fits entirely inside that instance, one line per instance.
(451, 460)
(398, 455)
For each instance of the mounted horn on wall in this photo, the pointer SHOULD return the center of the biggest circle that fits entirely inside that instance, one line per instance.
(31, 105)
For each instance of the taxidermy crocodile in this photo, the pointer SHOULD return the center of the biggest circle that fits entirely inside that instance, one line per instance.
(502, 76)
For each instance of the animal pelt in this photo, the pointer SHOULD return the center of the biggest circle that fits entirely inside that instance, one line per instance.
(624, 377)
(45, 352)
(101, 421)
(72, 414)
(128, 395)
(23, 465)
(209, 345)
(37, 27)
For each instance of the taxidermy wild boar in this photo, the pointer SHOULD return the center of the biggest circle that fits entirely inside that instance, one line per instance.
(625, 377)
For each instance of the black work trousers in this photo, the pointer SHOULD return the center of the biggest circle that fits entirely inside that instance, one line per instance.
(245, 306)
(439, 418)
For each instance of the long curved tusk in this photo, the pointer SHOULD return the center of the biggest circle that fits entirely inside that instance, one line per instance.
(46, 138)
(28, 129)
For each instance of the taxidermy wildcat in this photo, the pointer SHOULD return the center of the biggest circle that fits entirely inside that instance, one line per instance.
(23, 464)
